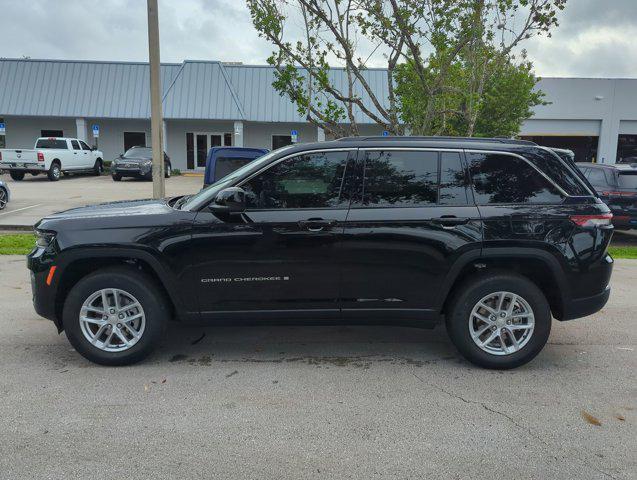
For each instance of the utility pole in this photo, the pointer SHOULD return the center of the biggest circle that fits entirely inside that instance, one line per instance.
(159, 189)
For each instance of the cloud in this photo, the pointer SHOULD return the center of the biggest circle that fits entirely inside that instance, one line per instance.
(595, 38)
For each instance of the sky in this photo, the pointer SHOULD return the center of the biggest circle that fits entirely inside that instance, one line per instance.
(596, 38)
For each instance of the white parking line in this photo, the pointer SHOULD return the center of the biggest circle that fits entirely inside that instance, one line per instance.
(19, 209)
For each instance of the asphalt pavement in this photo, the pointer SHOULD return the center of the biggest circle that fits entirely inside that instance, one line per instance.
(318, 402)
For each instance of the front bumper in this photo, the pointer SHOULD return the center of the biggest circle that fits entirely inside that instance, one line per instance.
(43, 295)
(132, 171)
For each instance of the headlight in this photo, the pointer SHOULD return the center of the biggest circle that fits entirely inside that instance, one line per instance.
(43, 239)
(147, 163)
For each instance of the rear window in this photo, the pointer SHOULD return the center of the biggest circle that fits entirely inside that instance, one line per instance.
(505, 179)
(628, 179)
(226, 165)
(561, 171)
(51, 143)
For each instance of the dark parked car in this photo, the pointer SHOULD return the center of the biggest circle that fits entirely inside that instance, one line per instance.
(491, 237)
(137, 162)
(223, 161)
(616, 185)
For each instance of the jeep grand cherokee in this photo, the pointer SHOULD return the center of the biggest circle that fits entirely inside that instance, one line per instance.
(492, 237)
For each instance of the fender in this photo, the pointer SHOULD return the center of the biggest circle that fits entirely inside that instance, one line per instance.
(165, 276)
(475, 256)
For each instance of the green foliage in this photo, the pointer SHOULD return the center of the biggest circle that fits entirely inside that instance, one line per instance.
(16, 244)
(623, 252)
(505, 102)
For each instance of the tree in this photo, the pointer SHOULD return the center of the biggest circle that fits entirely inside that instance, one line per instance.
(440, 40)
(505, 102)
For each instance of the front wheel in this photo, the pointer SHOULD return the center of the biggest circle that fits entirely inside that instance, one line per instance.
(116, 316)
(54, 172)
(499, 320)
(117, 177)
(17, 176)
(98, 168)
(168, 170)
(4, 198)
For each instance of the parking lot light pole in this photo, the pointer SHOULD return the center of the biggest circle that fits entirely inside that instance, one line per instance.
(159, 189)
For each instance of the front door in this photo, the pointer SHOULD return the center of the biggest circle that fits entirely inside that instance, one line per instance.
(282, 255)
(411, 218)
(198, 144)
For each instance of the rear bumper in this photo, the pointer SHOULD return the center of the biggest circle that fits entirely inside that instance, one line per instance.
(583, 307)
(23, 167)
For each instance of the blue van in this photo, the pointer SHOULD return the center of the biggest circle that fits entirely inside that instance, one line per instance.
(222, 161)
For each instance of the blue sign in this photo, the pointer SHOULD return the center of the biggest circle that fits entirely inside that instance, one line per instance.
(385, 133)
(295, 136)
(96, 130)
(2, 131)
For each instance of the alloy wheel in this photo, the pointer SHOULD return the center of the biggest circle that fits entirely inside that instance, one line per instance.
(112, 320)
(501, 323)
(3, 198)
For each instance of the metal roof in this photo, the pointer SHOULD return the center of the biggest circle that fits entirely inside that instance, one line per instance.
(65, 88)
(207, 90)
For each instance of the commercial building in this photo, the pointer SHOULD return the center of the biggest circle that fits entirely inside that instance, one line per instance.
(209, 103)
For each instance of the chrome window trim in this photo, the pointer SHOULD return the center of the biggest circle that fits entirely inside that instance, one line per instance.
(411, 149)
(511, 154)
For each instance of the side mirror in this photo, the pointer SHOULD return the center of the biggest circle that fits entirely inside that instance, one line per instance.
(229, 200)
(94, 147)
(121, 155)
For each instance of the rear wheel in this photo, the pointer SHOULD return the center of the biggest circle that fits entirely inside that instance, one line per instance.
(116, 316)
(499, 320)
(54, 172)
(17, 176)
(4, 198)
(168, 170)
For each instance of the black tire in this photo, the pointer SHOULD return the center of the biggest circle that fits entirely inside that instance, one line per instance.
(168, 170)
(4, 198)
(17, 176)
(55, 171)
(98, 168)
(143, 288)
(116, 177)
(475, 289)
(35, 174)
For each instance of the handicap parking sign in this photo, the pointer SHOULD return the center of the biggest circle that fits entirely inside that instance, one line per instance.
(96, 130)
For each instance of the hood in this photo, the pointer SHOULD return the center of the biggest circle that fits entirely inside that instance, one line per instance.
(125, 208)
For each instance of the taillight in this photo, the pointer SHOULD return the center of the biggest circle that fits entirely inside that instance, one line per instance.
(601, 220)
(40, 157)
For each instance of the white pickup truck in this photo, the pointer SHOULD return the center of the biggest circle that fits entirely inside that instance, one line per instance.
(52, 155)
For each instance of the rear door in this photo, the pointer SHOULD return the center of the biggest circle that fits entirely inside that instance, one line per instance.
(411, 218)
(75, 158)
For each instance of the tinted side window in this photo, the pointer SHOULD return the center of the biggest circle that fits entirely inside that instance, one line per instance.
(453, 182)
(507, 179)
(308, 181)
(596, 177)
(76, 146)
(85, 146)
(400, 178)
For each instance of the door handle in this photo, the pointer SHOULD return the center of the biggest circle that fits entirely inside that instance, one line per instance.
(316, 224)
(451, 221)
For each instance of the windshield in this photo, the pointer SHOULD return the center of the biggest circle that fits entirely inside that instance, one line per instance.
(139, 152)
(206, 194)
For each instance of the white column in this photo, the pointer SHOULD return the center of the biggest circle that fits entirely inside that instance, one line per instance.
(608, 137)
(164, 137)
(80, 127)
(238, 134)
(320, 134)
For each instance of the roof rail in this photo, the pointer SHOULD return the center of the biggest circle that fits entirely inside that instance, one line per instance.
(510, 141)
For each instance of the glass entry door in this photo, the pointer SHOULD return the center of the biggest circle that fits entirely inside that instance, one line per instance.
(199, 143)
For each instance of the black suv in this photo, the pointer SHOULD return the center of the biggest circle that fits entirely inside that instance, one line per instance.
(490, 236)
(616, 185)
